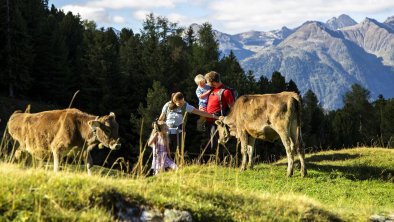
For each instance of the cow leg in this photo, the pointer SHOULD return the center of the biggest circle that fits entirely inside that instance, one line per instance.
(289, 152)
(296, 141)
(55, 160)
(89, 162)
(244, 143)
(251, 142)
(301, 155)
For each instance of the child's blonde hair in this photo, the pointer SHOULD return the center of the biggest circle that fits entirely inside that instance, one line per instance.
(199, 78)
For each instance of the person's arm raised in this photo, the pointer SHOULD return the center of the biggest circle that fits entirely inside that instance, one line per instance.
(152, 138)
(162, 117)
(205, 94)
(204, 114)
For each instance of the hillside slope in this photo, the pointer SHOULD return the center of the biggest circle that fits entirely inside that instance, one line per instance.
(349, 185)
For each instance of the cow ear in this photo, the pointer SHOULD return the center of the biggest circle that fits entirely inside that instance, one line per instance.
(94, 123)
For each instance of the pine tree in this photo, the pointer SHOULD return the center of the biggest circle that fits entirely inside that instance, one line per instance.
(278, 83)
(233, 75)
(71, 29)
(292, 87)
(130, 56)
(388, 123)
(355, 124)
(156, 97)
(190, 38)
(384, 110)
(313, 128)
(16, 56)
(157, 37)
(206, 51)
(263, 85)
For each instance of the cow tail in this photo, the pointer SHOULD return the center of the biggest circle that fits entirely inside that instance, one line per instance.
(298, 110)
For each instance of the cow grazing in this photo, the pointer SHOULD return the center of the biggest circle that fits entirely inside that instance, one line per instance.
(56, 132)
(267, 117)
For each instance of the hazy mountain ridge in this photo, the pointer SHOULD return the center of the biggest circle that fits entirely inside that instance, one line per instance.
(340, 22)
(390, 22)
(325, 57)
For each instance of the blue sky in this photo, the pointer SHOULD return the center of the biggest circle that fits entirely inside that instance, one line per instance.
(229, 16)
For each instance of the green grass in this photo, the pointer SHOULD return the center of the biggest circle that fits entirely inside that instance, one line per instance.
(348, 185)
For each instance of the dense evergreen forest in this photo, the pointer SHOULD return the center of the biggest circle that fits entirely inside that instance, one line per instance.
(46, 55)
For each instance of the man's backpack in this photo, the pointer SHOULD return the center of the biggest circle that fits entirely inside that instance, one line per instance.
(220, 93)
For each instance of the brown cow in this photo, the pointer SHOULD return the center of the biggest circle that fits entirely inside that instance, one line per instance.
(59, 131)
(267, 117)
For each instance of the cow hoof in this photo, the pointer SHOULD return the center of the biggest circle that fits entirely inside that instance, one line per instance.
(303, 173)
(243, 168)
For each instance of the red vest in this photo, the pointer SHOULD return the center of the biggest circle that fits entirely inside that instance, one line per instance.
(213, 106)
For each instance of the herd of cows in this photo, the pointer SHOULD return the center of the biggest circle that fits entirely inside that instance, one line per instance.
(265, 116)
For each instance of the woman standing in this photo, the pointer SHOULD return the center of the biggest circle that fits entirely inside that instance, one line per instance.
(173, 112)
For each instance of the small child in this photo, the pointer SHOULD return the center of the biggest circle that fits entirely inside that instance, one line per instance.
(159, 141)
(202, 93)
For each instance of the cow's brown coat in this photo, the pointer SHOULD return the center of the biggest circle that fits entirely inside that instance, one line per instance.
(267, 117)
(56, 132)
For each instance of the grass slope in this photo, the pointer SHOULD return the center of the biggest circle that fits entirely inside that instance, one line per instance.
(348, 185)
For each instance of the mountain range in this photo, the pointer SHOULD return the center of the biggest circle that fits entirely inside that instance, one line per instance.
(327, 58)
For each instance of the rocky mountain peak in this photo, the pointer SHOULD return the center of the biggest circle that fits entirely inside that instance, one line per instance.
(390, 22)
(310, 31)
(340, 22)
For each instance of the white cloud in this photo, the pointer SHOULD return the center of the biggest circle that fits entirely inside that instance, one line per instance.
(96, 14)
(180, 19)
(231, 16)
(119, 19)
(141, 14)
(183, 20)
(139, 4)
(237, 15)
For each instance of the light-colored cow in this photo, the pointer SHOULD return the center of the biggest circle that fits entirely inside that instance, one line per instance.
(56, 132)
(267, 117)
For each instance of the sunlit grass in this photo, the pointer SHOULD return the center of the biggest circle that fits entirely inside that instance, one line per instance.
(349, 185)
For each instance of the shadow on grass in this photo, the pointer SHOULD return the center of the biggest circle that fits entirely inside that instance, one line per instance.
(331, 157)
(129, 208)
(361, 172)
(355, 172)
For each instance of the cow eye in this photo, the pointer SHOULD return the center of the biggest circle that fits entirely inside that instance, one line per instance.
(106, 130)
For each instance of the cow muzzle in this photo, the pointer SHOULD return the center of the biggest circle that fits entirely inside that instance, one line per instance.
(116, 145)
(224, 140)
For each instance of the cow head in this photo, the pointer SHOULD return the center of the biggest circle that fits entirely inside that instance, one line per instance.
(223, 131)
(106, 129)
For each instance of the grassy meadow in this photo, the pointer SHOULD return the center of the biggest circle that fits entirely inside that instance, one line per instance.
(345, 185)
